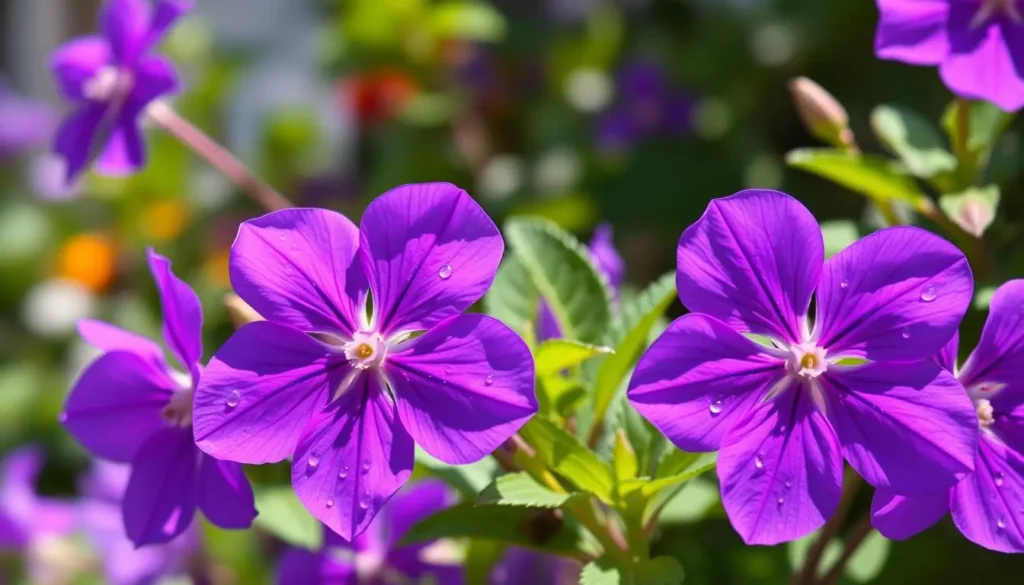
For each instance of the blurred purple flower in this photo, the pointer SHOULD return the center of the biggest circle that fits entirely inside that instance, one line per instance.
(46, 174)
(131, 406)
(110, 80)
(986, 504)
(521, 566)
(647, 106)
(24, 124)
(100, 515)
(784, 416)
(25, 516)
(343, 392)
(978, 45)
(608, 262)
(375, 557)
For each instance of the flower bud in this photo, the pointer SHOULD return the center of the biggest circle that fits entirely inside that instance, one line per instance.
(240, 312)
(973, 210)
(822, 115)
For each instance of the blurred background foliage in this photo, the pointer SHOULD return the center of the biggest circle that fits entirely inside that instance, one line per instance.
(636, 112)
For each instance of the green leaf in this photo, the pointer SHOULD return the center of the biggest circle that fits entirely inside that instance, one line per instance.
(690, 504)
(468, 20)
(873, 176)
(986, 121)
(624, 458)
(283, 515)
(869, 559)
(564, 453)
(675, 468)
(512, 297)
(628, 335)
(562, 271)
(468, 479)
(649, 444)
(973, 209)
(983, 297)
(914, 139)
(602, 572)
(555, 355)
(481, 558)
(519, 489)
(520, 526)
(838, 234)
(658, 571)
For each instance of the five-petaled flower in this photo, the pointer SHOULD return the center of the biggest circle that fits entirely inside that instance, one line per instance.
(131, 406)
(986, 505)
(978, 45)
(857, 383)
(375, 557)
(365, 349)
(111, 79)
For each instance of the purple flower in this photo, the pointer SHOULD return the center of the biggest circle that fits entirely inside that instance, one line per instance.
(27, 518)
(365, 349)
(131, 406)
(375, 557)
(608, 262)
(521, 565)
(987, 504)
(100, 515)
(111, 79)
(647, 107)
(978, 45)
(855, 384)
(24, 124)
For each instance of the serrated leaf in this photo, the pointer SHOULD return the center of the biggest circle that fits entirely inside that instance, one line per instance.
(873, 176)
(512, 297)
(658, 571)
(564, 454)
(914, 139)
(283, 515)
(869, 559)
(628, 335)
(561, 270)
(555, 355)
(602, 572)
(519, 489)
(468, 20)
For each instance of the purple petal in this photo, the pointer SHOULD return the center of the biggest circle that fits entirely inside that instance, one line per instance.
(409, 506)
(698, 378)
(430, 252)
(183, 315)
(75, 63)
(947, 356)
(351, 458)
(522, 565)
(987, 504)
(1000, 351)
(985, 62)
(75, 138)
(303, 567)
(116, 404)
(225, 496)
(165, 14)
(124, 152)
(900, 517)
(898, 294)
(154, 77)
(124, 24)
(161, 497)
(106, 337)
(259, 390)
(547, 324)
(909, 428)
(781, 470)
(18, 500)
(464, 387)
(419, 571)
(913, 32)
(297, 267)
(752, 260)
(606, 257)
(616, 131)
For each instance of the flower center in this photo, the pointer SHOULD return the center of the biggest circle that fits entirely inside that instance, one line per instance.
(806, 361)
(981, 394)
(108, 84)
(366, 350)
(986, 416)
(992, 8)
(178, 411)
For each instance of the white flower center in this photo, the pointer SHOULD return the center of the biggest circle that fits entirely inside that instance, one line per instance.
(992, 8)
(108, 83)
(806, 361)
(982, 394)
(366, 350)
(178, 411)
(986, 416)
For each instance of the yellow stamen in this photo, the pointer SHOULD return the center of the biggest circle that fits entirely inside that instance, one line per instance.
(364, 351)
(809, 361)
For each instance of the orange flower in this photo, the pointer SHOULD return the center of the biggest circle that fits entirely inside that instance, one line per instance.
(164, 220)
(89, 259)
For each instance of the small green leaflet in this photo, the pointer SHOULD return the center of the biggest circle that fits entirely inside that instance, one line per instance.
(519, 489)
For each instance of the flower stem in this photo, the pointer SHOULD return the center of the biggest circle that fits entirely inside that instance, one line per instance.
(217, 156)
(853, 541)
(808, 575)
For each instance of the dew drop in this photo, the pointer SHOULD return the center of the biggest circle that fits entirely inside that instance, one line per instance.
(715, 407)
(366, 467)
(928, 295)
(445, 272)
(233, 399)
(906, 334)
(780, 501)
(488, 380)
(313, 461)
(1000, 524)
(447, 371)
(788, 485)
(330, 503)
(998, 477)
(364, 501)
(343, 473)
(844, 283)
(282, 238)
(759, 461)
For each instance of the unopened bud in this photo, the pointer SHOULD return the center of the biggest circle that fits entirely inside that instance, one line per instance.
(973, 210)
(821, 113)
(240, 312)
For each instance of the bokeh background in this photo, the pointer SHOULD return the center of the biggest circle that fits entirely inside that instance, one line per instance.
(634, 112)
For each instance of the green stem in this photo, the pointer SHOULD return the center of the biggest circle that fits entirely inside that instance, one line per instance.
(850, 546)
(967, 164)
(808, 575)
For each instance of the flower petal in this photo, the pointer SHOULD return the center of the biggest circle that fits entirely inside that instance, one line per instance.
(183, 315)
(1000, 351)
(900, 517)
(698, 378)
(75, 137)
(155, 76)
(106, 337)
(987, 504)
(124, 24)
(898, 294)
(752, 260)
(297, 267)
(781, 470)
(430, 252)
(259, 391)
(18, 499)
(947, 356)
(415, 503)
(909, 428)
(124, 153)
(302, 567)
(161, 497)
(165, 14)
(606, 257)
(351, 458)
(76, 62)
(464, 387)
(985, 62)
(913, 32)
(116, 404)
(225, 496)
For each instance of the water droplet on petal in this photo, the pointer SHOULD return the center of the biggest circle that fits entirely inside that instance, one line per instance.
(330, 503)
(998, 477)
(364, 501)
(283, 238)
(759, 461)
(343, 473)
(1000, 524)
(445, 272)
(928, 294)
(366, 467)
(488, 380)
(313, 461)
(844, 283)
(906, 334)
(715, 407)
(447, 371)
(788, 485)
(780, 501)
(233, 399)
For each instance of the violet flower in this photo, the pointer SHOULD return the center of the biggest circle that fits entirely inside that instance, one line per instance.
(24, 124)
(647, 107)
(375, 557)
(339, 376)
(785, 416)
(986, 505)
(103, 490)
(607, 261)
(522, 565)
(110, 80)
(978, 45)
(131, 406)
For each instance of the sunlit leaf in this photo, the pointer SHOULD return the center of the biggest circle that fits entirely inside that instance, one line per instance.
(519, 489)
(283, 515)
(564, 454)
(914, 139)
(870, 175)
